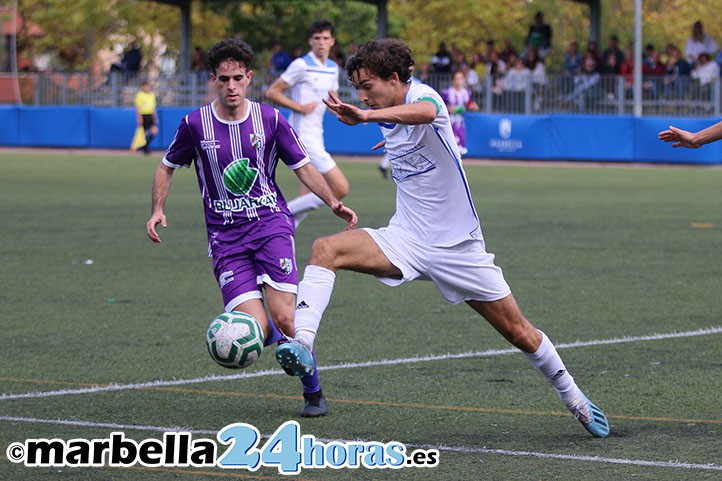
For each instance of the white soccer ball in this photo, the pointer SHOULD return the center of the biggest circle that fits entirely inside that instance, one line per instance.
(234, 340)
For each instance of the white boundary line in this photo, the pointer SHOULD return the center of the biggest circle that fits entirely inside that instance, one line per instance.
(460, 449)
(389, 362)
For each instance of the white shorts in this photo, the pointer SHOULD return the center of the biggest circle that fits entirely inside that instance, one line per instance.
(316, 150)
(463, 272)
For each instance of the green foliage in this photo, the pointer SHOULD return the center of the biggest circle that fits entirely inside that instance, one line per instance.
(76, 30)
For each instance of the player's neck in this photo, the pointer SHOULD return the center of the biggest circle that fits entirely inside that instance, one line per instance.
(230, 114)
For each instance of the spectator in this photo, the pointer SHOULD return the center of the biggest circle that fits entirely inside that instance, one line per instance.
(676, 77)
(508, 51)
(132, 58)
(572, 66)
(586, 84)
(540, 36)
(572, 60)
(515, 82)
(494, 65)
(699, 42)
(280, 60)
(593, 50)
(626, 70)
(653, 70)
(612, 57)
(705, 73)
(458, 100)
(129, 62)
(538, 76)
(441, 60)
(198, 63)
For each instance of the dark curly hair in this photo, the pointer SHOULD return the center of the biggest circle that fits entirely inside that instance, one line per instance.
(382, 58)
(229, 49)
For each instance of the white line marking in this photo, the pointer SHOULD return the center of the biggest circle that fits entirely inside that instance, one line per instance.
(388, 362)
(457, 449)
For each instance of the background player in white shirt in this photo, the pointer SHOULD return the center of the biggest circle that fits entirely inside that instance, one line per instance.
(310, 78)
(433, 235)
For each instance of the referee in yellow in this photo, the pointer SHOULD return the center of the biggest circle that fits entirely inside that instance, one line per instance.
(146, 115)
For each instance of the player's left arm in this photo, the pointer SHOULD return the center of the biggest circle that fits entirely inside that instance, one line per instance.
(311, 178)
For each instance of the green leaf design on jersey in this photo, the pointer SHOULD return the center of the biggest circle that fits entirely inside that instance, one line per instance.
(238, 177)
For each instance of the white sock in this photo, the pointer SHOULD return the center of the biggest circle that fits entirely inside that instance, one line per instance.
(302, 205)
(314, 294)
(547, 361)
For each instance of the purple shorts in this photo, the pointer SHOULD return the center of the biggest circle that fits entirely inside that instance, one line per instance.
(270, 260)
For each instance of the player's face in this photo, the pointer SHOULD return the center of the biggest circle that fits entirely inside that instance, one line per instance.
(321, 43)
(231, 80)
(376, 92)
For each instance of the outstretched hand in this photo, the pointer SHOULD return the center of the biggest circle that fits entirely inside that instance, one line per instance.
(346, 113)
(346, 214)
(681, 138)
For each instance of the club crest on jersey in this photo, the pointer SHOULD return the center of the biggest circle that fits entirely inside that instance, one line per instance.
(257, 140)
(286, 265)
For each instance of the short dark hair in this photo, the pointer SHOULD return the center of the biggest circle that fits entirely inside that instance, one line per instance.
(229, 49)
(383, 58)
(320, 26)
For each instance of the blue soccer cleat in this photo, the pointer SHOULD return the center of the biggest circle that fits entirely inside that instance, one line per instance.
(295, 358)
(591, 417)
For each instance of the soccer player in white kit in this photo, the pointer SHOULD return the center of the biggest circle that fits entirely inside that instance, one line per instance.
(310, 78)
(433, 235)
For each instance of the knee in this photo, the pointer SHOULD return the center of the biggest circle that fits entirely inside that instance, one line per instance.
(341, 190)
(323, 252)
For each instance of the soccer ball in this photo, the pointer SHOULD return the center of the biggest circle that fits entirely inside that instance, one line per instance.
(234, 340)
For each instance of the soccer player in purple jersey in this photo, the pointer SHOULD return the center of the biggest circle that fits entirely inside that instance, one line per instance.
(235, 145)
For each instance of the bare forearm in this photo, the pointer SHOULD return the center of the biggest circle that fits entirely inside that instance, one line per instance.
(710, 134)
(423, 112)
(161, 188)
(311, 178)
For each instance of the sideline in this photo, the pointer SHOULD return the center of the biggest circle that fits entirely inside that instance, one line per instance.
(383, 362)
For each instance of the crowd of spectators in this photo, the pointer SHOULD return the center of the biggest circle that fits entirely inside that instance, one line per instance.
(589, 73)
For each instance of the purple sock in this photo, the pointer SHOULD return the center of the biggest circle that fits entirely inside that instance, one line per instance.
(310, 383)
(274, 335)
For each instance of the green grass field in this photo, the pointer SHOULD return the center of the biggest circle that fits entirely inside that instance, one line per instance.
(102, 331)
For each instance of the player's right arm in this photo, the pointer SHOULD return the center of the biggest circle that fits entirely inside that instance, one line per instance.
(161, 189)
(292, 76)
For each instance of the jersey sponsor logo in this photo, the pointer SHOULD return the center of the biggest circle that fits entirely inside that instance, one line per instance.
(240, 204)
(286, 265)
(210, 144)
(239, 177)
(410, 164)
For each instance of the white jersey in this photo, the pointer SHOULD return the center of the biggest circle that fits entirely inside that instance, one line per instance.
(433, 200)
(310, 81)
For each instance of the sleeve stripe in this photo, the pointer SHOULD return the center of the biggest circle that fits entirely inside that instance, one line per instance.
(433, 101)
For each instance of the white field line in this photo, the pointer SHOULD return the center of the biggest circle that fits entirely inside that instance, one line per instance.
(457, 449)
(386, 362)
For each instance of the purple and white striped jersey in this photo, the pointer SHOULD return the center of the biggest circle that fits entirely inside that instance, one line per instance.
(235, 163)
